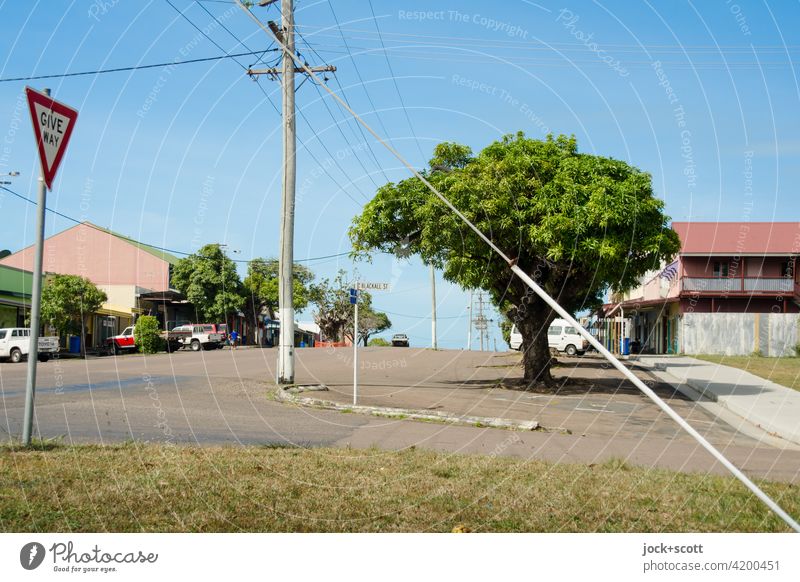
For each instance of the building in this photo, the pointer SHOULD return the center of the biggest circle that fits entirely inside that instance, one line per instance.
(733, 289)
(15, 296)
(122, 267)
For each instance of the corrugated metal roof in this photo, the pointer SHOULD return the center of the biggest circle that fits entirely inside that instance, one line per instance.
(738, 238)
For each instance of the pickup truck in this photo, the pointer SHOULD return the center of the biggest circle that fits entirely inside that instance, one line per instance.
(194, 336)
(15, 343)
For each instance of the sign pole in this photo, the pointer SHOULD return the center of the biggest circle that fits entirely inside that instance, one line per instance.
(36, 306)
(355, 353)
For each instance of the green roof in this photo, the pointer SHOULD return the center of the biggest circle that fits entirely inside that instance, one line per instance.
(156, 252)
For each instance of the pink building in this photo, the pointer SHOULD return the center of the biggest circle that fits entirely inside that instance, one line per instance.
(722, 267)
(120, 266)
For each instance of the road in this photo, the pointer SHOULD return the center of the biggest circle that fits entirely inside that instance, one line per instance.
(223, 397)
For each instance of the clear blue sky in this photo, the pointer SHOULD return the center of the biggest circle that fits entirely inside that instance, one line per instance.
(191, 154)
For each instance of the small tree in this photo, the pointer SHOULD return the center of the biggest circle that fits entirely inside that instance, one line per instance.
(262, 287)
(378, 342)
(332, 299)
(67, 303)
(146, 334)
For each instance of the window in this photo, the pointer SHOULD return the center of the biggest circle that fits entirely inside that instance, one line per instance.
(15, 333)
(720, 269)
(2, 334)
(554, 330)
(570, 331)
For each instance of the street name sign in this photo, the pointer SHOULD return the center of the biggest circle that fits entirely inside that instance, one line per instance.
(52, 126)
(371, 286)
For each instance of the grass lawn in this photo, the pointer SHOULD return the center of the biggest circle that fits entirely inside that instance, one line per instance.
(137, 487)
(783, 371)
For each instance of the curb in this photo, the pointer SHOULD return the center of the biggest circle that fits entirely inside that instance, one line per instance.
(291, 395)
(698, 391)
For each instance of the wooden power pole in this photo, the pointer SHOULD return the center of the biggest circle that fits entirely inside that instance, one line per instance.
(285, 34)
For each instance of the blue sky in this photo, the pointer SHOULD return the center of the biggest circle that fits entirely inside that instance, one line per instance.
(702, 95)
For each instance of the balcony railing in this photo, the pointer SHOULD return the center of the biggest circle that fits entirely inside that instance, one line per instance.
(738, 284)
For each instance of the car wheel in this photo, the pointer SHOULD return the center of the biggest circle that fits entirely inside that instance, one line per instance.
(571, 350)
(43, 357)
(16, 356)
(196, 345)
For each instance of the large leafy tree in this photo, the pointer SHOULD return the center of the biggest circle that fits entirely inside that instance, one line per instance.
(579, 224)
(209, 280)
(67, 303)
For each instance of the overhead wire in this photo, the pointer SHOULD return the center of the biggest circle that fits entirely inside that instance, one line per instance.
(157, 247)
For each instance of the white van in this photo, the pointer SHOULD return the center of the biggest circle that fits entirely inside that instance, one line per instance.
(561, 336)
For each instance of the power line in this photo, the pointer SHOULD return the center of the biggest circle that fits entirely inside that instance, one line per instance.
(394, 80)
(134, 68)
(158, 248)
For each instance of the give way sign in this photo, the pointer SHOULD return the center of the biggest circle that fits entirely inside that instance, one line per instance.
(52, 127)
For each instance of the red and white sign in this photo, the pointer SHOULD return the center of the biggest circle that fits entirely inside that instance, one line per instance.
(52, 127)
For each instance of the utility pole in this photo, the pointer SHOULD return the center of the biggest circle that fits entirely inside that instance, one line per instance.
(286, 260)
(433, 309)
(469, 322)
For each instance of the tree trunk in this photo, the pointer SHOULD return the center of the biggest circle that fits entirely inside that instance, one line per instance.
(532, 323)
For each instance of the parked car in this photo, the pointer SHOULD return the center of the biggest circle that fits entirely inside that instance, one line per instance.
(15, 343)
(400, 340)
(122, 343)
(561, 336)
(198, 336)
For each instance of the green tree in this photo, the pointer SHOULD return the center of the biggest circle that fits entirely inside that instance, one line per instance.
(146, 335)
(209, 280)
(369, 320)
(261, 287)
(579, 224)
(67, 303)
(378, 342)
(332, 299)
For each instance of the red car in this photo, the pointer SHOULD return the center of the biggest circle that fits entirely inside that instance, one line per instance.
(123, 342)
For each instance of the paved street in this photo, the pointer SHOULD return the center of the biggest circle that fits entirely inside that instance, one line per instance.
(223, 397)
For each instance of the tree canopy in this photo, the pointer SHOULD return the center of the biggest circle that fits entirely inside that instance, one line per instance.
(579, 224)
(335, 313)
(262, 286)
(209, 280)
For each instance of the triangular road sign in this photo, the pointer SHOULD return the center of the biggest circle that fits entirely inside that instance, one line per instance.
(52, 127)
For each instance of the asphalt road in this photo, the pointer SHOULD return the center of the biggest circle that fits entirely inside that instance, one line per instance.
(222, 397)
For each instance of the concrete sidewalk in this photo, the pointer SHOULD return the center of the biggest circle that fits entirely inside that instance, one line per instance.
(769, 406)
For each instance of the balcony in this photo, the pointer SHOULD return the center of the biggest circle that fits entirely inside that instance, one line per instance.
(738, 285)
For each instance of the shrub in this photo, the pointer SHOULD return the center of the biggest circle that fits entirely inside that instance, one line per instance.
(378, 341)
(148, 340)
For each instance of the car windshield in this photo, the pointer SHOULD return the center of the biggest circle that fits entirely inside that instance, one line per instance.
(3, 334)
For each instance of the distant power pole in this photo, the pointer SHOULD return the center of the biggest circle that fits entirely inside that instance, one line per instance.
(286, 261)
(469, 322)
(433, 308)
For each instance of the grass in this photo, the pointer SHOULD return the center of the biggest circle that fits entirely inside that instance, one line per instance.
(158, 488)
(783, 371)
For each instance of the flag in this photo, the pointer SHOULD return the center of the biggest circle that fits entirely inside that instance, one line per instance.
(670, 271)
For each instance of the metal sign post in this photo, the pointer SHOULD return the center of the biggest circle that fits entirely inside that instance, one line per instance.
(52, 126)
(354, 303)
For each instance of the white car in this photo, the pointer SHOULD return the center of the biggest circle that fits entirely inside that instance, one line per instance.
(561, 336)
(15, 343)
(198, 336)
